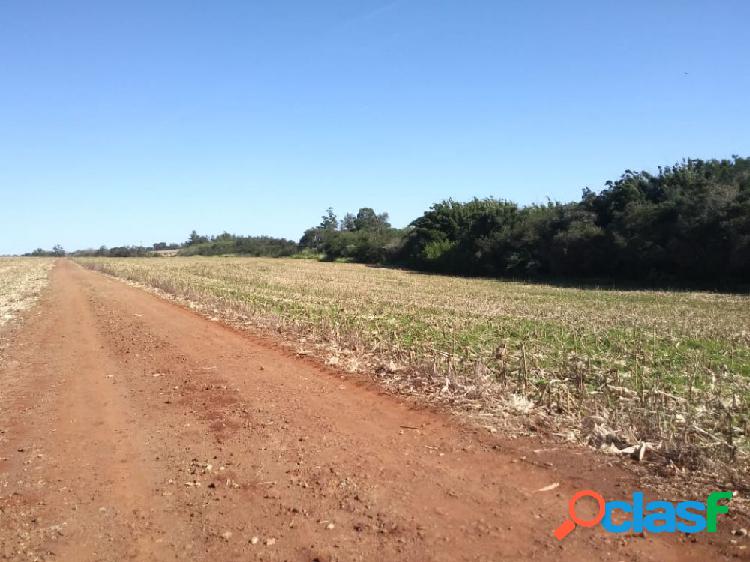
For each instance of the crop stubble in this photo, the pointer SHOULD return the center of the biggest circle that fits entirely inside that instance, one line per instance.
(21, 279)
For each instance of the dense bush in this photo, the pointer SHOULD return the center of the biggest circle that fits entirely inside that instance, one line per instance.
(117, 252)
(690, 222)
(365, 237)
(245, 245)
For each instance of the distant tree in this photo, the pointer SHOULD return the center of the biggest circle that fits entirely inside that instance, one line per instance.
(329, 220)
(314, 238)
(196, 238)
(365, 237)
(348, 222)
(367, 219)
(58, 251)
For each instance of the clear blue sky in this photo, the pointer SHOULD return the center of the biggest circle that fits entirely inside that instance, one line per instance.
(128, 122)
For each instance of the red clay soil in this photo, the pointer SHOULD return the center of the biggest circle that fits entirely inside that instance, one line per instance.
(134, 429)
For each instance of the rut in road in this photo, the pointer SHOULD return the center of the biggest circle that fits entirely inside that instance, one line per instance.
(135, 429)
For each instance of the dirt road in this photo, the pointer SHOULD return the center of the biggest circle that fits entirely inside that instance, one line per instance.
(133, 429)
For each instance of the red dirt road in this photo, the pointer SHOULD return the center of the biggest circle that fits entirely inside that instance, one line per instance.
(133, 429)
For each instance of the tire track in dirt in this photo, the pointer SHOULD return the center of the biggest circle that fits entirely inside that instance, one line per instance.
(81, 479)
(150, 433)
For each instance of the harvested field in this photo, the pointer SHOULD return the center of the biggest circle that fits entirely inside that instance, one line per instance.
(616, 369)
(21, 279)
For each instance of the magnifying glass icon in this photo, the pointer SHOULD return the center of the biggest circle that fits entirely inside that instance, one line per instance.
(569, 524)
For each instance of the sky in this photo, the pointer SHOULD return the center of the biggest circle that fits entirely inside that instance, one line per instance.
(137, 122)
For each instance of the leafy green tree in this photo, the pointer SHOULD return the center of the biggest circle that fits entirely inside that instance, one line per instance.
(329, 220)
(347, 223)
(196, 238)
(367, 219)
(365, 237)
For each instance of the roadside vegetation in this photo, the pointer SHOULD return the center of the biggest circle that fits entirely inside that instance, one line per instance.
(626, 371)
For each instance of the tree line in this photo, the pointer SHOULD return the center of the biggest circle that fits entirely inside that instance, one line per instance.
(195, 245)
(226, 243)
(688, 223)
(57, 251)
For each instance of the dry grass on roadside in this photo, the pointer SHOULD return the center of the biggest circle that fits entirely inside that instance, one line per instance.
(21, 279)
(616, 369)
